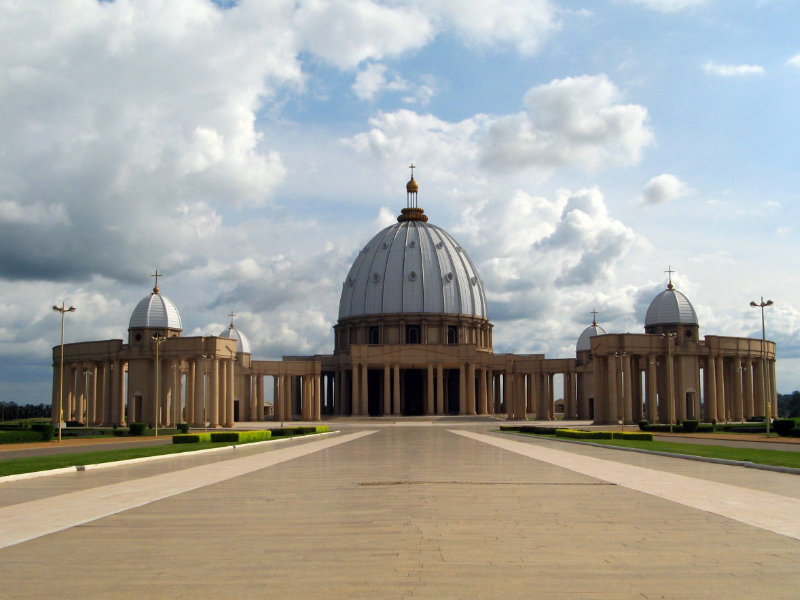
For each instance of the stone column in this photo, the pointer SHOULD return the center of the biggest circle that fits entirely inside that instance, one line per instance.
(364, 390)
(277, 398)
(773, 389)
(498, 393)
(471, 388)
(711, 391)
(747, 375)
(356, 398)
(650, 381)
(530, 407)
(105, 416)
(117, 397)
(261, 392)
(482, 392)
(387, 390)
(462, 391)
(429, 407)
(724, 406)
(199, 400)
(191, 391)
(613, 392)
(508, 394)
(440, 407)
(317, 397)
(627, 402)
(212, 401)
(397, 407)
(760, 389)
(230, 397)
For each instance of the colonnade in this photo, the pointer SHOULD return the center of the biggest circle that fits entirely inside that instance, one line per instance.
(191, 389)
(481, 390)
(667, 387)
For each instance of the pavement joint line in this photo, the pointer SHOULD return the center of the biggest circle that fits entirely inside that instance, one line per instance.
(775, 512)
(29, 520)
(709, 459)
(143, 459)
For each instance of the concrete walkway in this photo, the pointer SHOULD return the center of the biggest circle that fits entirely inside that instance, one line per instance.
(405, 512)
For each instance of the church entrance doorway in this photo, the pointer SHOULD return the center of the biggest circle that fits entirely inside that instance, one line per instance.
(414, 392)
(453, 393)
(375, 392)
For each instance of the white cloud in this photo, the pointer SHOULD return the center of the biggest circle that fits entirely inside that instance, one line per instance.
(670, 5)
(794, 61)
(663, 188)
(348, 32)
(574, 122)
(732, 70)
(525, 24)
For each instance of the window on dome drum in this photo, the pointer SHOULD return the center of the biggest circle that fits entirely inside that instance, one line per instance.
(413, 334)
(452, 334)
(374, 334)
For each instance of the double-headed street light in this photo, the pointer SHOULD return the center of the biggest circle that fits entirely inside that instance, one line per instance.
(767, 401)
(62, 309)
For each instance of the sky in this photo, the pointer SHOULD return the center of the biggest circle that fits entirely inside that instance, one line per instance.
(248, 149)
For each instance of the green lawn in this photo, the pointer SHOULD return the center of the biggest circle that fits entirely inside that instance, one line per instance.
(777, 458)
(57, 461)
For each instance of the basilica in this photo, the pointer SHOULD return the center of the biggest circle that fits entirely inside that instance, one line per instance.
(413, 338)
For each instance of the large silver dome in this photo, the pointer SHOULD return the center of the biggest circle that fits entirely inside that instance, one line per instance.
(412, 267)
(155, 312)
(670, 307)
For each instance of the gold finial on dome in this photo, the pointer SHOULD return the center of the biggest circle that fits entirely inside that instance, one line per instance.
(594, 318)
(412, 212)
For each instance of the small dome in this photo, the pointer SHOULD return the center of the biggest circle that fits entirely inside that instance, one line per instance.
(670, 307)
(242, 343)
(412, 186)
(584, 341)
(155, 312)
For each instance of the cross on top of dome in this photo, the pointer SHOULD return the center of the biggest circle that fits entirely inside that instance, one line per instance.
(156, 275)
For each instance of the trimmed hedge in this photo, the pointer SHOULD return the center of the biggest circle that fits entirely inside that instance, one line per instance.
(46, 430)
(584, 435)
(191, 438)
(20, 436)
(244, 437)
(138, 428)
(183, 427)
(690, 425)
(783, 427)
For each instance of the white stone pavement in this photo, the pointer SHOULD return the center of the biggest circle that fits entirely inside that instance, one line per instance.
(733, 502)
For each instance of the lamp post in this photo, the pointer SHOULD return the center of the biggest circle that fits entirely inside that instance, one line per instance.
(206, 358)
(158, 340)
(767, 402)
(86, 374)
(63, 310)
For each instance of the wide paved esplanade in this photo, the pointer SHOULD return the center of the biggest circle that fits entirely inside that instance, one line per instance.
(413, 337)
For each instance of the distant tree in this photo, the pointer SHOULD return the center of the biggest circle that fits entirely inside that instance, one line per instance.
(789, 404)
